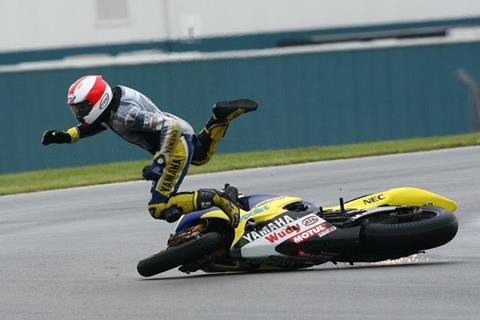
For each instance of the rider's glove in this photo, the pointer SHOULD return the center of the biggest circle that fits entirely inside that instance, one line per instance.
(154, 171)
(55, 136)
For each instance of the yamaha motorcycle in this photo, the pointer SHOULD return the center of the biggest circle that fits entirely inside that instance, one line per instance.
(285, 233)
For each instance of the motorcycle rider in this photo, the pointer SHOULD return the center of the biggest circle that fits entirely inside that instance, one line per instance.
(170, 139)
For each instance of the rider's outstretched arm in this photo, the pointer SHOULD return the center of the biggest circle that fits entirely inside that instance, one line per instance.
(71, 135)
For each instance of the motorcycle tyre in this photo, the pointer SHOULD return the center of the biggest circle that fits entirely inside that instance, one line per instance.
(181, 254)
(415, 235)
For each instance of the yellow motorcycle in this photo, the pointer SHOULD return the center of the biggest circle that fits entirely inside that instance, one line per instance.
(285, 233)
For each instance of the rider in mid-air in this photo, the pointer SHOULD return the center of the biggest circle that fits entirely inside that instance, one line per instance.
(168, 138)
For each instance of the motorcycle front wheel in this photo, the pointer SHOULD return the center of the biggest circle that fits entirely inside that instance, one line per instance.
(178, 255)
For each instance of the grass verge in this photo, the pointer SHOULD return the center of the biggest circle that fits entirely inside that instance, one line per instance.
(127, 171)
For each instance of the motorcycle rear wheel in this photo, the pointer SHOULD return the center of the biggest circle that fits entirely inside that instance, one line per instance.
(432, 227)
(176, 256)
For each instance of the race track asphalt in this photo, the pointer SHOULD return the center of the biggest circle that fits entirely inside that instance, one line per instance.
(72, 254)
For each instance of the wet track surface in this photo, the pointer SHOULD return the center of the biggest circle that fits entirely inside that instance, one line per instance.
(72, 254)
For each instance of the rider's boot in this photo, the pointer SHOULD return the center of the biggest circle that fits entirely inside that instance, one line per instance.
(223, 113)
(228, 110)
(226, 201)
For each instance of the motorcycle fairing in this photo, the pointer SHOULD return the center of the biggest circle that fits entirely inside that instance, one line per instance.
(251, 201)
(399, 197)
(262, 211)
(290, 227)
(189, 219)
(248, 203)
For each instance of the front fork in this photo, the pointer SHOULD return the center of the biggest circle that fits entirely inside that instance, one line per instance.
(188, 234)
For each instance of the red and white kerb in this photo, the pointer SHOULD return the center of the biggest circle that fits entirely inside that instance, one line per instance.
(93, 89)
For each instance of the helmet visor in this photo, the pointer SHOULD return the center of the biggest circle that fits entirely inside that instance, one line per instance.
(81, 109)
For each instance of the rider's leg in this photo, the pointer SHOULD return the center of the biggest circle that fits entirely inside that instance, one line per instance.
(223, 113)
(185, 202)
(170, 177)
(167, 204)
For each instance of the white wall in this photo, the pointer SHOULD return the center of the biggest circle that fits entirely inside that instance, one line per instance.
(213, 17)
(34, 24)
(38, 24)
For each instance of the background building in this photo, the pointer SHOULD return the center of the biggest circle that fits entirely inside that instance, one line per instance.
(324, 72)
(55, 28)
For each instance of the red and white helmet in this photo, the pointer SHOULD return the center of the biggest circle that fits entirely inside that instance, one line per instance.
(88, 97)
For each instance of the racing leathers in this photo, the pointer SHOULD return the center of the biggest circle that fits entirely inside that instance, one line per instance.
(173, 144)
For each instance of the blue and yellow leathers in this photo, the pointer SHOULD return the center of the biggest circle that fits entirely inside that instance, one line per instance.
(173, 143)
(166, 203)
(171, 171)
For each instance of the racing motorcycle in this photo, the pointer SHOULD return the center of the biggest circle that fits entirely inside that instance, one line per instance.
(285, 233)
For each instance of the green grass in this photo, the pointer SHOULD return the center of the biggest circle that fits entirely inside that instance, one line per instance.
(127, 171)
